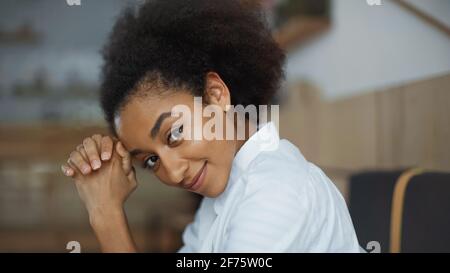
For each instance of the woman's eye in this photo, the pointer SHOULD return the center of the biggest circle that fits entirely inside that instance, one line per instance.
(150, 162)
(175, 135)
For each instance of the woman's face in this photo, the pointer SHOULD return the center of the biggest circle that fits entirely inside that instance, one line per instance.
(149, 132)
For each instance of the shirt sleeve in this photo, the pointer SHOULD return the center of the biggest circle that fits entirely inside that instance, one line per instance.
(272, 215)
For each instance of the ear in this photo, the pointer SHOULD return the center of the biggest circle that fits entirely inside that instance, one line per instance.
(216, 91)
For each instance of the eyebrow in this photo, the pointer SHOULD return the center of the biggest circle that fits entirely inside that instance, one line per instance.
(158, 123)
(154, 131)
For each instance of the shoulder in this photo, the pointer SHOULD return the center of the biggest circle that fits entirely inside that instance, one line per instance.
(282, 169)
(278, 183)
(275, 205)
(288, 203)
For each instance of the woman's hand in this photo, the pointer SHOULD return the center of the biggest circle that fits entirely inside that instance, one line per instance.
(102, 185)
(86, 156)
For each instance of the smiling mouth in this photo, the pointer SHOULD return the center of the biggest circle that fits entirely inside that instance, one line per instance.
(196, 177)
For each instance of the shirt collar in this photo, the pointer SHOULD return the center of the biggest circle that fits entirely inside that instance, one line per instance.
(266, 138)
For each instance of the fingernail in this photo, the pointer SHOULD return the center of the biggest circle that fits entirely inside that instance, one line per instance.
(67, 172)
(105, 156)
(86, 169)
(96, 164)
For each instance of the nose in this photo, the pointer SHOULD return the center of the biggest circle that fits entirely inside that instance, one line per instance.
(175, 167)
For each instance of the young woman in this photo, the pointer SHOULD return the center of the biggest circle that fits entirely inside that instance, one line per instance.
(260, 194)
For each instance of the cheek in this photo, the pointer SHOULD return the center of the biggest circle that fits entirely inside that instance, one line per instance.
(217, 152)
(221, 153)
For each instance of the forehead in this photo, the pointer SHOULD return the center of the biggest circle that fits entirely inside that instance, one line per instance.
(135, 120)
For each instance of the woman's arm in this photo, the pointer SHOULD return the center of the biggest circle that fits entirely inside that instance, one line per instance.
(112, 231)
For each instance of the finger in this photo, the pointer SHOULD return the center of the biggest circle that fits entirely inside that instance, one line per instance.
(106, 148)
(76, 172)
(90, 146)
(98, 140)
(121, 149)
(132, 177)
(68, 171)
(82, 151)
(126, 159)
(77, 160)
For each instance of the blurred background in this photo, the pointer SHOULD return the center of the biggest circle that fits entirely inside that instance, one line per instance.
(366, 98)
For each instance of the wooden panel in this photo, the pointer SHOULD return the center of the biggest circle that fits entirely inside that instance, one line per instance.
(399, 127)
(414, 126)
(442, 125)
(299, 119)
(419, 127)
(348, 133)
(391, 131)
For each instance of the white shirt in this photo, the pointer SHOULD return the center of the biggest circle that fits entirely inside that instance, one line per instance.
(274, 201)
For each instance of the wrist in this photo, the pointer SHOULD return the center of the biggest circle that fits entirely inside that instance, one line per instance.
(111, 229)
(101, 217)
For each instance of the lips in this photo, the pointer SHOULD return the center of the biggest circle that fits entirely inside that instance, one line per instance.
(194, 183)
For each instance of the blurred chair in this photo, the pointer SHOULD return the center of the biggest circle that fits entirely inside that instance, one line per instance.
(370, 205)
(404, 210)
(421, 212)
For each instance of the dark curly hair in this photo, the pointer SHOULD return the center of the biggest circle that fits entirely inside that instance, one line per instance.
(177, 42)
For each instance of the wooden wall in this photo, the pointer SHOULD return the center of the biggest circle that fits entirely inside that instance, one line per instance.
(403, 126)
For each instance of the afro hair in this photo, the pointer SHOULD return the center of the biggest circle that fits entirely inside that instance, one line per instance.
(180, 41)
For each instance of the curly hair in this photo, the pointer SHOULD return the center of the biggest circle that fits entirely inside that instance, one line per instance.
(177, 42)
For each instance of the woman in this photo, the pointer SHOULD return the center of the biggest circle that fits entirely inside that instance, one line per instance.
(260, 194)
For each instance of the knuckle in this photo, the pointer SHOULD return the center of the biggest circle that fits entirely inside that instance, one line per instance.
(86, 141)
(92, 155)
(73, 155)
(106, 140)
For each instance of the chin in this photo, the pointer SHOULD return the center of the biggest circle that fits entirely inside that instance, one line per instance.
(215, 192)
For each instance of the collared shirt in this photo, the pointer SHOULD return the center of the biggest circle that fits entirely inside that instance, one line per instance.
(274, 201)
